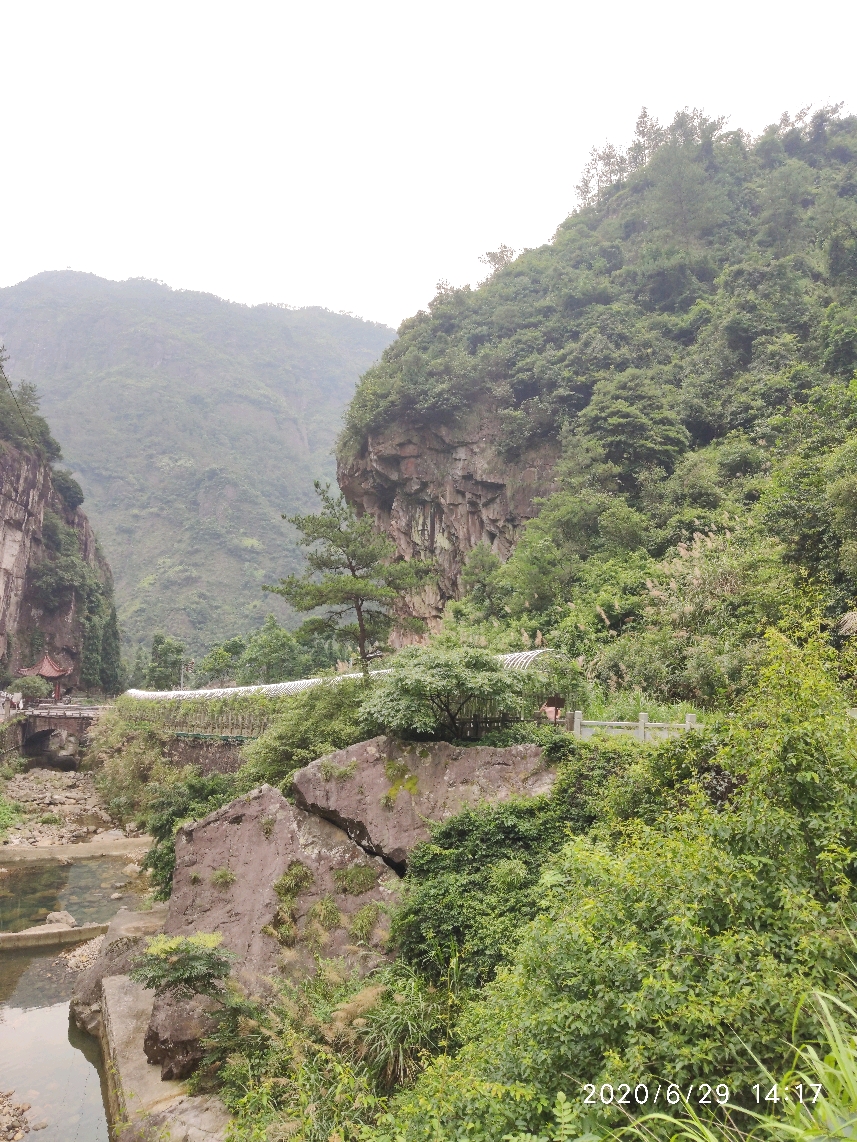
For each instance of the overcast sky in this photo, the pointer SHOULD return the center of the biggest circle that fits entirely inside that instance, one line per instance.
(352, 154)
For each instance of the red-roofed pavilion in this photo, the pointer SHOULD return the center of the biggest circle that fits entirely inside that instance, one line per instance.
(49, 670)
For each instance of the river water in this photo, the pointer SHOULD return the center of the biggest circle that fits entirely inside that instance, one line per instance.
(44, 1059)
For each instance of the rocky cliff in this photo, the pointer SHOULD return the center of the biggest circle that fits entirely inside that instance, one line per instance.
(440, 492)
(53, 598)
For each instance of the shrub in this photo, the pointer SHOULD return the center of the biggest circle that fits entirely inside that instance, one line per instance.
(223, 878)
(429, 689)
(184, 797)
(183, 965)
(9, 815)
(32, 686)
(316, 722)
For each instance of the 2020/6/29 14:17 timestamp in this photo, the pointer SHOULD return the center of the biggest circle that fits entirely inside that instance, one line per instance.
(704, 1094)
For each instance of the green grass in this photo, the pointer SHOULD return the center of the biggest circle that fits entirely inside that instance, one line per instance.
(9, 815)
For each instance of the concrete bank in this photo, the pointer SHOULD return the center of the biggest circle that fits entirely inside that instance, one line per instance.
(49, 935)
(108, 846)
(141, 1104)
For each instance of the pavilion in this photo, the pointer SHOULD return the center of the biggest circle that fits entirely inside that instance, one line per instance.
(50, 671)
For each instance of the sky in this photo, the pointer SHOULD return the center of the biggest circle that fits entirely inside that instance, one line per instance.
(352, 155)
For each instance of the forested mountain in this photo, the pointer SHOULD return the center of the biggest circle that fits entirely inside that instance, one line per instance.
(685, 348)
(191, 424)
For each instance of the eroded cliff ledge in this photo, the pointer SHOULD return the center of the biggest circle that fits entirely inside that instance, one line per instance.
(32, 620)
(440, 492)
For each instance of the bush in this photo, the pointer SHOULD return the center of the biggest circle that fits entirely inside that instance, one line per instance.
(430, 689)
(317, 721)
(172, 803)
(31, 686)
(183, 965)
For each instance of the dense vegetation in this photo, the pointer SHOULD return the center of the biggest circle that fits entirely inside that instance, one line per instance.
(663, 912)
(191, 423)
(688, 345)
(688, 342)
(21, 422)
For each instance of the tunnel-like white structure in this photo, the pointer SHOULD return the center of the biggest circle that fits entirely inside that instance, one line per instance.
(520, 660)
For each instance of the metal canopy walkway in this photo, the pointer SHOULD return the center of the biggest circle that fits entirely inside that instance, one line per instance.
(520, 660)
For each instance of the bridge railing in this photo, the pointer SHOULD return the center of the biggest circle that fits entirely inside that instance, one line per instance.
(643, 730)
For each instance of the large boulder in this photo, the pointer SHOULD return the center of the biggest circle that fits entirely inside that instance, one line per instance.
(384, 793)
(282, 888)
(124, 940)
(173, 1039)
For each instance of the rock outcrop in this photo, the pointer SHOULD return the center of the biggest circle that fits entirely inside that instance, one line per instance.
(124, 940)
(440, 492)
(286, 884)
(384, 793)
(280, 886)
(28, 627)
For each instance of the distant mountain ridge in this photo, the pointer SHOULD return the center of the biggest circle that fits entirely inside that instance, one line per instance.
(191, 423)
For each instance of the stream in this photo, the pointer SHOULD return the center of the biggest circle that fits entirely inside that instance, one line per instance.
(44, 1058)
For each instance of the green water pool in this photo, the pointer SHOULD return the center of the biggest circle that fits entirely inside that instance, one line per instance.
(29, 891)
(44, 1058)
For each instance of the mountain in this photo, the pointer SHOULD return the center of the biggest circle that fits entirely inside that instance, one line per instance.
(638, 442)
(191, 424)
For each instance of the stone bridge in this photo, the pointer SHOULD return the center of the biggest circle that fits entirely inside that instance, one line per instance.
(56, 731)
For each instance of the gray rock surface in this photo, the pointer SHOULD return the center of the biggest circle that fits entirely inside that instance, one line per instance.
(125, 938)
(332, 901)
(384, 793)
(142, 1106)
(174, 1033)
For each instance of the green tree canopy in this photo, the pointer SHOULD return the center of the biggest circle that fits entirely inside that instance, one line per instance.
(165, 668)
(269, 654)
(429, 689)
(350, 573)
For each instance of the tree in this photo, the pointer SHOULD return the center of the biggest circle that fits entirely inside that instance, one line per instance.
(350, 572)
(165, 669)
(631, 416)
(429, 688)
(269, 654)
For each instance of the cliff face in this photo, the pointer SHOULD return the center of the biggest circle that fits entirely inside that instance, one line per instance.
(32, 623)
(440, 492)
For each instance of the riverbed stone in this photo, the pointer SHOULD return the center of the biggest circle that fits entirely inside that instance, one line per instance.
(384, 793)
(61, 918)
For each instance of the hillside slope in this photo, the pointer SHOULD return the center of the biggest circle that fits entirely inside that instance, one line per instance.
(191, 424)
(669, 388)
